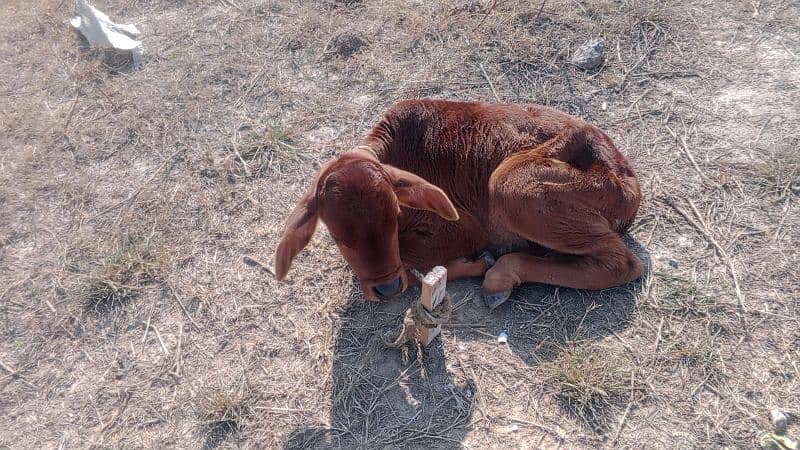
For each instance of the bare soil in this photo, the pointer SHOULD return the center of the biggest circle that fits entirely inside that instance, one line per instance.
(128, 200)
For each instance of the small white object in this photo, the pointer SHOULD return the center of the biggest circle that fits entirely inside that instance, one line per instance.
(604, 106)
(100, 31)
(502, 337)
(779, 420)
(514, 427)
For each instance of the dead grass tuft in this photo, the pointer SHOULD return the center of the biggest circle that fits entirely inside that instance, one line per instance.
(590, 384)
(268, 150)
(681, 299)
(108, 279)
(695, 351)
(676, 295)
(782, 171)
(223, 410)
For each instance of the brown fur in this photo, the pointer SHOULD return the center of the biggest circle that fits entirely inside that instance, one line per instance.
(437, 181)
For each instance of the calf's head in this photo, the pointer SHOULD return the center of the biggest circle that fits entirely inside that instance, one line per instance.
(359, 200)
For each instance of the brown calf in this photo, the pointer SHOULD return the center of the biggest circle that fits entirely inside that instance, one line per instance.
(437, 182)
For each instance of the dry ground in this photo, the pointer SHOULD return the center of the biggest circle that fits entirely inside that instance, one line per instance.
(128, 200)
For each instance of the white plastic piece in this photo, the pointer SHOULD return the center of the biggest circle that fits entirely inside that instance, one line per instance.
(502, 337)
(100, 31)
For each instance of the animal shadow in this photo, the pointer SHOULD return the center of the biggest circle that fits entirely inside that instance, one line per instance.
(381, 401)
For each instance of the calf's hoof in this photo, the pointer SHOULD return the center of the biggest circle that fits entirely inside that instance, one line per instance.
(496, 299)
(488, 259)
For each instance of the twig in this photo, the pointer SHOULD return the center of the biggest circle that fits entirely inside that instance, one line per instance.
(539, 12)
(624, 344)
(670, 74)
(777, 233)
(239, 155)
(621, 424)
(463, 302)
(281, 410)
(252, 262)
(479, 398)
(118, 413)
(87, 355)
(97, 411)
(160, 341)
(491, 85)
(238, 102)
(230, 3)
(13, 286)
(183, 308)
(470, 325)
(755, 4)
(723, 253)
(702, 383)
(638, 99)
(178, 356)
(146, 328)
(541, 427)
(685, 148)
(758, 137)
(658, 335)
(656, 223)
(486, 16)
(7, 368)
(133, 194)
(703, 229)
(483, 333)
(72, 109)
(13, 373)
(628, 72)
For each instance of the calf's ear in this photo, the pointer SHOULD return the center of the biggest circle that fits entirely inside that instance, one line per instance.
(414, 192)
(299, 228)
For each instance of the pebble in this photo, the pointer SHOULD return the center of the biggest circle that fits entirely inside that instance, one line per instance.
(589, 56)
(779, 420)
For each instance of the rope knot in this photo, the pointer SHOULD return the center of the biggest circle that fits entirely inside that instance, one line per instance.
(415, 319)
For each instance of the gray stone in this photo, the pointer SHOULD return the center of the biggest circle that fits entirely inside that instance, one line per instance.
(589, 56)
(779, 420)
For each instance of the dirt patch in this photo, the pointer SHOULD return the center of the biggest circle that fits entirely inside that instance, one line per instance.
(129, 199)
(346, 45)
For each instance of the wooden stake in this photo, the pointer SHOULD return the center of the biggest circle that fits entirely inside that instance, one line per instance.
(433, 292)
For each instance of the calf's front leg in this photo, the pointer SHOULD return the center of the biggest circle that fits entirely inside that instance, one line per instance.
(461, 268)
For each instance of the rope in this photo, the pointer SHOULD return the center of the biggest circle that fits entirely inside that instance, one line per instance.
(415, 319)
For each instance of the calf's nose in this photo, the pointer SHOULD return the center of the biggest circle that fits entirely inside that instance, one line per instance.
(389, 289)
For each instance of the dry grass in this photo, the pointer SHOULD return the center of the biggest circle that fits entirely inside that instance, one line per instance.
(105, 281)
(128, 200)
(224, 410)
(589, 384)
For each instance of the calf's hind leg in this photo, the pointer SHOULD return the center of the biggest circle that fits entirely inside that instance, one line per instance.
(606, 265)
(553, 204)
